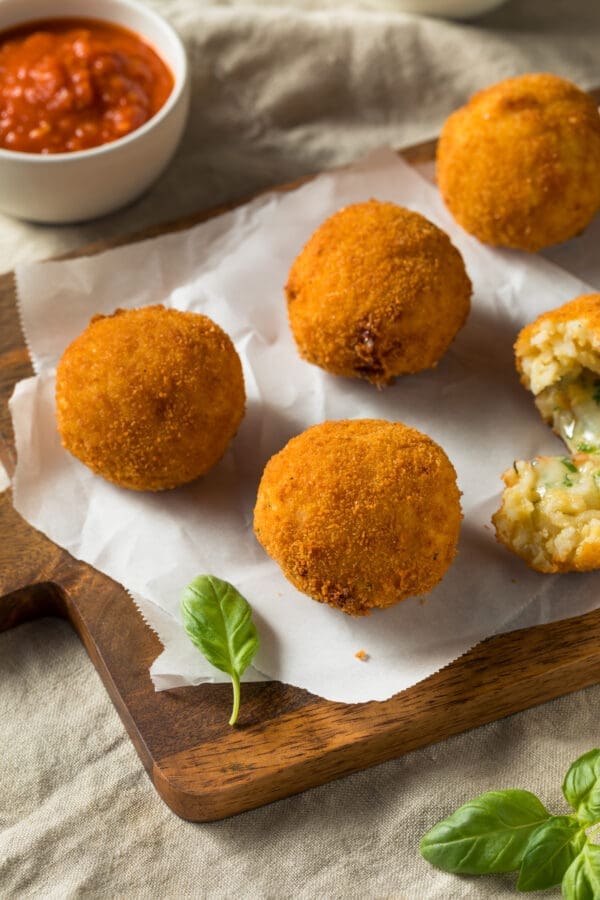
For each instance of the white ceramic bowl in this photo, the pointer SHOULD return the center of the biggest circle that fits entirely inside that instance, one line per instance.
(72, 187)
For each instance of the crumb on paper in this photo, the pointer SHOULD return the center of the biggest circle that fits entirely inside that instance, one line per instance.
(362, 655)
(422, 601)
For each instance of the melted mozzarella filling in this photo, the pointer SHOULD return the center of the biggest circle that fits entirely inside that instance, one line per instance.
(551, 512)
(572, 406)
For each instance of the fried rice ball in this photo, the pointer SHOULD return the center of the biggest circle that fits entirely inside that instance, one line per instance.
(360, 514)
(149, 398)
(377, 291)
(550, 513)
(519, 165)
(558, 359)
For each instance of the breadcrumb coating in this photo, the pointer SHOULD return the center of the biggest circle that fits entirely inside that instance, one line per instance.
(519, 165)
(360, 513)
(560, 343)
(550, 513)
(149, 398)
(378, 291)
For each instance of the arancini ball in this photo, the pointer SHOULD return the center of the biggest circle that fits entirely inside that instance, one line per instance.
(550, 513)
(149, 398)
(558, 359)
(360, 513)
(519, 165)
(378, 291)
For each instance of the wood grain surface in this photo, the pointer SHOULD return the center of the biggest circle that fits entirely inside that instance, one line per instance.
(287, 740)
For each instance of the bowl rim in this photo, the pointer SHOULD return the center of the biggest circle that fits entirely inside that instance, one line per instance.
(180, 84)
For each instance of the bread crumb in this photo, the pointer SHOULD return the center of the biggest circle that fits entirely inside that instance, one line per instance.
(362, 655)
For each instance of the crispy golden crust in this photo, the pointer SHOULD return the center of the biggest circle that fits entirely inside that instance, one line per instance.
(585, 309)
(149, 398)
(360, 513)
(519, 165)
(560, 343)
(377, 291)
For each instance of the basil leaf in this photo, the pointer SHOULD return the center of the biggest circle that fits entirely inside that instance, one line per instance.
(487, 835)
(581, 786)
(218, 620)
(550, 851)
(582, 878)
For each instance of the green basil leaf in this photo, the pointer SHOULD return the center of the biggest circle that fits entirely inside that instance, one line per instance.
(581, 786)
(487, 835)
(550, 851)
(218, 620)
(582, 878)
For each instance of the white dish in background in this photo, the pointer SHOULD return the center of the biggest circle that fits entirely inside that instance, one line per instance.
(71, 187)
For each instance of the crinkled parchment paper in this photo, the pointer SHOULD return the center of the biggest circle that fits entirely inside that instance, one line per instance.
(233, 269)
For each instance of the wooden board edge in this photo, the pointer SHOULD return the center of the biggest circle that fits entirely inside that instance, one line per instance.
(412, 719)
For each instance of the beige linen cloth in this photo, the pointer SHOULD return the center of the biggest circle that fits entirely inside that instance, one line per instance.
(278, 92)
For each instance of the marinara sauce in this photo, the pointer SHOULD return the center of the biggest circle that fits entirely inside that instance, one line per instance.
(71, 84)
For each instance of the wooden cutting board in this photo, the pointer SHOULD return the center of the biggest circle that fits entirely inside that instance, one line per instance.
(287, 740)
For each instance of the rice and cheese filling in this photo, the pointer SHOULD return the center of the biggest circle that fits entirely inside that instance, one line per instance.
(550, 513)
(572, 407)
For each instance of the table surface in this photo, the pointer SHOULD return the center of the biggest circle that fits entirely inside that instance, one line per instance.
(278, 93)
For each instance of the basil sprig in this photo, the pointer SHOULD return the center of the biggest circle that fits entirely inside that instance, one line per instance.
(505, 831)
(218, 621)
(549, 853)
(581, 787)
(487, 835)
(582, 878)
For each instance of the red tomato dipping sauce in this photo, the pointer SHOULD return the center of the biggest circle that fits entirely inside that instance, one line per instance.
(72, 84)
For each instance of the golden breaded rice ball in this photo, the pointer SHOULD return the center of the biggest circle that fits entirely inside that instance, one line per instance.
(550, 513)
(558, 359)
(519, 165)
(149, 398)
(377, 291)
(360, 513)
(560, 343)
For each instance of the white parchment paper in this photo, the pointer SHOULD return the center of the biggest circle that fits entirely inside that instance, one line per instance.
(233, 269)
